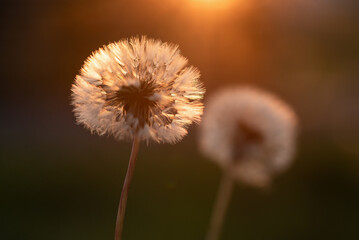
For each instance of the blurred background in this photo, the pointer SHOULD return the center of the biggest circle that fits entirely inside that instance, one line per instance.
(58, 181)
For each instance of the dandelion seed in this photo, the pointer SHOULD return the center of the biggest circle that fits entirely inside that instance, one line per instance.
(249, 131)
(138, 89)
(251, 135)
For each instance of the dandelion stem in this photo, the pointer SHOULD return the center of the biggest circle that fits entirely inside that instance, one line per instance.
(220, 207)
(126, 185)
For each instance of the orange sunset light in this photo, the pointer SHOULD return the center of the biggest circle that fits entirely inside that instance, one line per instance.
(213, 3)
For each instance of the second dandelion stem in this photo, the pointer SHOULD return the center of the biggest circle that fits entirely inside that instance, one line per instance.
(125, 188)
(220, 208)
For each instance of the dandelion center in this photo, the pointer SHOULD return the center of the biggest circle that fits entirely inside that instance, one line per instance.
(246, 140)
(140, 101)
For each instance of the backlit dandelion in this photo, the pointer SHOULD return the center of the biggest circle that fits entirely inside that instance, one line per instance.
(251, 135)
(138, 89)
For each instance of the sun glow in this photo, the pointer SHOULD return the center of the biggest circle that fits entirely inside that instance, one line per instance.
(214, 3)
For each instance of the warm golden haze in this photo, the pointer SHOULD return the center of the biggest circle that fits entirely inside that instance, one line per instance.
(214, 3)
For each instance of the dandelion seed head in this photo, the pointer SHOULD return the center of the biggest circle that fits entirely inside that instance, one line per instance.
(138, 87)
(249, 132)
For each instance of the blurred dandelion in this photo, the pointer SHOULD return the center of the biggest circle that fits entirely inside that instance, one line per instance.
(137, 89)
(251, 135)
